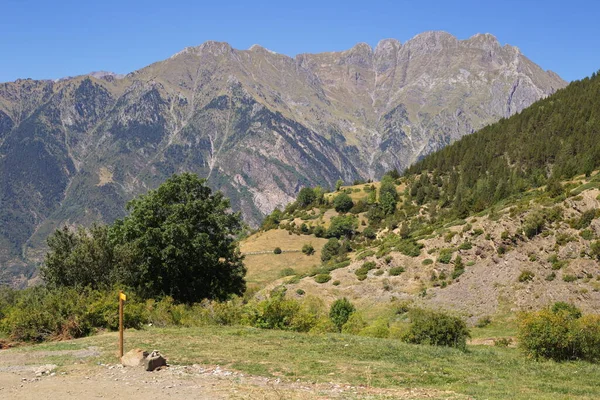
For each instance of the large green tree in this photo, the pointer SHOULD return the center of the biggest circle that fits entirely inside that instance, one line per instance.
(178, 240)
(80, 258)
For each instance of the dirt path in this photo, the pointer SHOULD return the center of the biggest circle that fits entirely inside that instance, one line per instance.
(23, 375)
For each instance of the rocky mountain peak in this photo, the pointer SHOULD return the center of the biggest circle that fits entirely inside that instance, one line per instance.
(431, 42)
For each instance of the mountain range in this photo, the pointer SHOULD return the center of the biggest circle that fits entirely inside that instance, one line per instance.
(257, 124)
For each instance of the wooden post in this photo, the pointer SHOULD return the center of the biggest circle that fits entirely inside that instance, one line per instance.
(121, 296)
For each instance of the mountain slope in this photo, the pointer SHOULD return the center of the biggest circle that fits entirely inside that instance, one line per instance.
(257, 124)
(505, 219)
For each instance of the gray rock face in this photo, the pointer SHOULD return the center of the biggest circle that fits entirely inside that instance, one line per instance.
(257, 124)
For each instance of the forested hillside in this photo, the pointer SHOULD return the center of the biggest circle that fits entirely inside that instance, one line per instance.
(554, 139)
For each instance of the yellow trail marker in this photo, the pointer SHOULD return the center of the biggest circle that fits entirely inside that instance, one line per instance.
(122, 298)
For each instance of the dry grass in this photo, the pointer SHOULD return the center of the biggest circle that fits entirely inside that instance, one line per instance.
(264, 268)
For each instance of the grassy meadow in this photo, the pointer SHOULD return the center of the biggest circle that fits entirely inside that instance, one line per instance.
(482, 372)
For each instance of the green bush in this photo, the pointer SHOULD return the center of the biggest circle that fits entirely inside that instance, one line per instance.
(342, 203)
(273, 313)
(340, 312)
(465, 246)
(277, 250)
(342, 226)
(330, 249)
(483, 321)
(322, 278)
(570, 309)
(587, 234)
(534, 223)
(569, 278)
(378, 329)
(526, 276)
(595, 249)
(459, 267)
(584, 220)
(560, 333)
(354, 325)
(300, 292)
(436, 328)
(365, 268)
(445, 256)
(427, 261)
(369, 233)
(287, 272)
(308, 249)
(395, 271)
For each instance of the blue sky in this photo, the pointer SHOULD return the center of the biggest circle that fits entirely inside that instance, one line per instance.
(52, 39)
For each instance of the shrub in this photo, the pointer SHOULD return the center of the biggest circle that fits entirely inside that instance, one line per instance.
(322, 278)
(365, 254)
(369, 233)
(534, 223)
(551, 276)
(503, 342)
(587, 234)
(342, 203)
(365, 268)
(319, 231)
(308, 249)
(560, 334)
(300, 292)
(378, 329)
(330, 249)
(287, 272)
(342, 226)
(436, 328)
(483, 321)
(465, 246)
(526, 276)
(340, 312)
(273, 313)
(449, 236)
(595, 249)
(354, 325)
(395, 271)
(335, 283)
(584, 220)
(570, 309)
(323, 325)
(569, 278)
(459, 267)
(277, 250)
(445, 256)
(306, 197)
(427, 261)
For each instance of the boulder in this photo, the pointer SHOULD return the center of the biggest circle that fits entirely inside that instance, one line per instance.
(155, 360)
(134, 358)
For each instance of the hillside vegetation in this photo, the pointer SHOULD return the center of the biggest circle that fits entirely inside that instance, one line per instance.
(503, 220)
